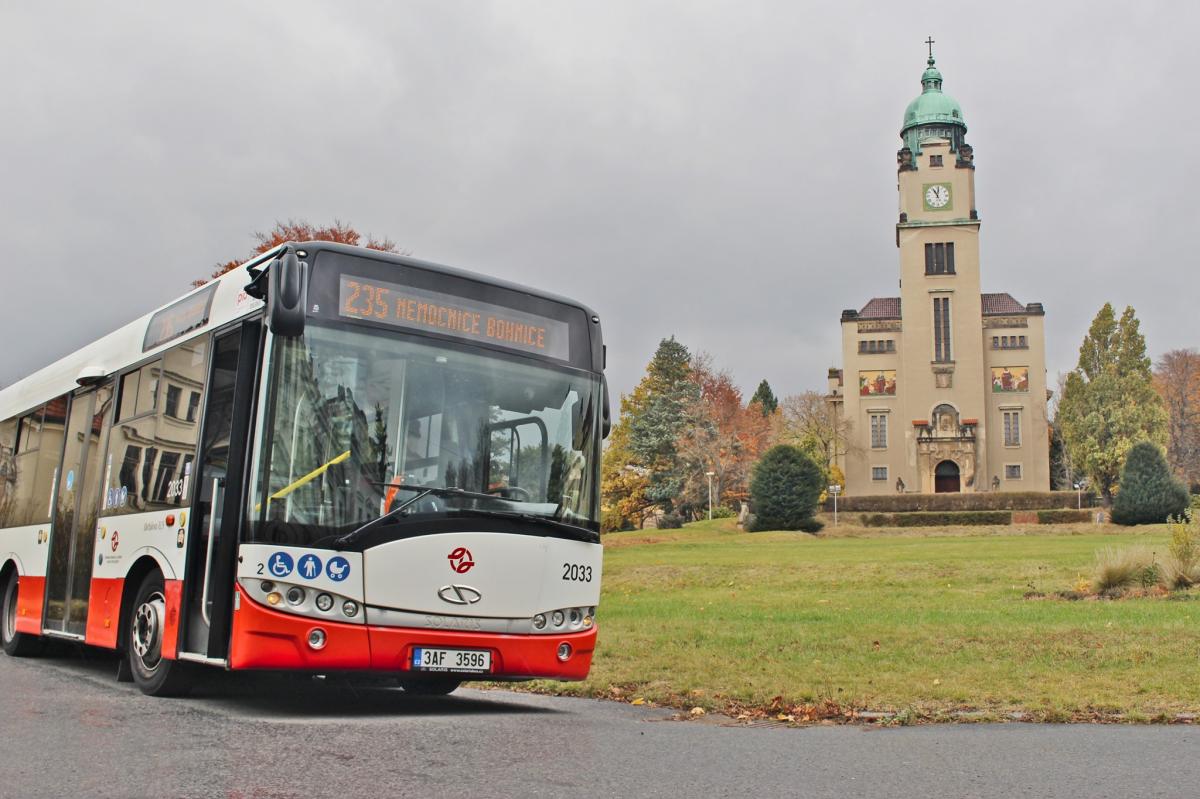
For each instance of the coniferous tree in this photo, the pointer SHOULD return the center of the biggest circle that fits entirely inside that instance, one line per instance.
(1108, 402)
(784, 490)
(765, 398)
(1149, 493)
(641, 468)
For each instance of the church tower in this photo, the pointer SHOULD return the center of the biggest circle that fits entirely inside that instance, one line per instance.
(944, 387)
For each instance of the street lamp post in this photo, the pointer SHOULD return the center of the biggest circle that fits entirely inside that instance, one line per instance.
(1079, 494)
(710, 477)
(834, 490)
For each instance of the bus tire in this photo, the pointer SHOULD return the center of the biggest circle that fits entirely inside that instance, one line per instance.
(431, 686)
(20, 645)
(153, 674)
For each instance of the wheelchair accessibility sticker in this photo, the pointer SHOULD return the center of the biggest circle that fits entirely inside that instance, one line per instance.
(280, 564)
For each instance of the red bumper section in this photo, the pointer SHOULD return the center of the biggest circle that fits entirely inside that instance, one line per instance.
(267, 639)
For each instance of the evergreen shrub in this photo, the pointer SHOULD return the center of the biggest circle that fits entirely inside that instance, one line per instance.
(984, 500)
(1149, 493)
(1063, 516)
(940, 519)
(784, 488)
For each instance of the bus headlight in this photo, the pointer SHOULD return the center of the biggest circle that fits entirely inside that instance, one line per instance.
(564, 651)
(575, 617)
(316, 638)
(274, 598)
(350, 608)
(556, 618)
(295, 595)
(324, 603)
(539, 621)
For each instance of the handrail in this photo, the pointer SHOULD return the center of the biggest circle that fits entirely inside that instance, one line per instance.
(306, 479)
(212, 527)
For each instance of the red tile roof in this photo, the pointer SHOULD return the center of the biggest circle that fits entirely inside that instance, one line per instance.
(881, 308)
(994, 304)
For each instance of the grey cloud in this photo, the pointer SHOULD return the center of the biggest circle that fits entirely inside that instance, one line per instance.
(721, 171)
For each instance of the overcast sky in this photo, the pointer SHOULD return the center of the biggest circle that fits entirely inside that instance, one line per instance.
(720, 171)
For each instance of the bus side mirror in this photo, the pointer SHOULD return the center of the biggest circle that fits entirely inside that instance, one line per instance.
(605, 410)
(287, 294)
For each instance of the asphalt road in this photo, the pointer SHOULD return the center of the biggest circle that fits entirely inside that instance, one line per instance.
(67, 728)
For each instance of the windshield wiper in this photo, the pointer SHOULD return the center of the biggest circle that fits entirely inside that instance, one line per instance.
(422, 492)
(577, 532)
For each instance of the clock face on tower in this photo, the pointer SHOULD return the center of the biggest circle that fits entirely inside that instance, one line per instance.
(937, 197)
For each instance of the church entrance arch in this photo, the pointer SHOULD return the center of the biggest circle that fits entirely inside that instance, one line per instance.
(946, 478)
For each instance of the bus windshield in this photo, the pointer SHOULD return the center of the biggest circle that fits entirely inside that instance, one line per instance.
(353, 414)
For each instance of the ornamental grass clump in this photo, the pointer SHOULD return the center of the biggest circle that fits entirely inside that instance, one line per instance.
(1121, 569)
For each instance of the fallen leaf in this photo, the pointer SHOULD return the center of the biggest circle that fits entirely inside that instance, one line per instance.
(638, 701)
(937, 682)
(697, 711)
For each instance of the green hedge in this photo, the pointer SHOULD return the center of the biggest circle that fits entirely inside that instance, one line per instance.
(990, 500)
(937, 519)
(1064, 516)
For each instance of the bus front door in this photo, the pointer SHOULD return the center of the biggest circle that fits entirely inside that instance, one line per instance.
(83, 426)
(215, 518)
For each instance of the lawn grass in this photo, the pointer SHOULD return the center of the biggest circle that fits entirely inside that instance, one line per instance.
(925, 622)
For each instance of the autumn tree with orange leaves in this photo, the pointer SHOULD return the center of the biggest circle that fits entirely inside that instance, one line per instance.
(724, 435)
(1177, 380)
(684, 419)
(300, 230)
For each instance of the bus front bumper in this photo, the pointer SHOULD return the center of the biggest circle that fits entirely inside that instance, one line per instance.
(268, 639)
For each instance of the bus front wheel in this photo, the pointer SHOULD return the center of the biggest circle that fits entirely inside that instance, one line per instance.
(154, 674)
(16, 644)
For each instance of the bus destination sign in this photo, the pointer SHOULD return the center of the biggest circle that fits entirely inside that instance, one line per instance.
(417, 309)
(179, 318)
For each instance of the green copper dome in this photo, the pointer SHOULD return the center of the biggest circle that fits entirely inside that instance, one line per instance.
(933, 113)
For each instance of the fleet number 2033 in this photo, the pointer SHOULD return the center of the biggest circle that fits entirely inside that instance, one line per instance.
(577, 573)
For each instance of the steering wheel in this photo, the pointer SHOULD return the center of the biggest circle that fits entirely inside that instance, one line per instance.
(512, 492)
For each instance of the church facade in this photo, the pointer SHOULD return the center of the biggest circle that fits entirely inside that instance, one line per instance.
(944, 386)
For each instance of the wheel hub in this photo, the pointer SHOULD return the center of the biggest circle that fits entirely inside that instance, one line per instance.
(147, 631)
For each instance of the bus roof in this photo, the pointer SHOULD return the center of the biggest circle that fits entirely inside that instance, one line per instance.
(125, 346)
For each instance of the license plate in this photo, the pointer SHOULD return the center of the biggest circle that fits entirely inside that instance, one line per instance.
(473, 660)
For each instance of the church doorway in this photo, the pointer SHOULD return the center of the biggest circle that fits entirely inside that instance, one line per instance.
(946, 478)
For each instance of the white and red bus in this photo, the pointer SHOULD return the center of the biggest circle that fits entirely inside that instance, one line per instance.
(330, 459)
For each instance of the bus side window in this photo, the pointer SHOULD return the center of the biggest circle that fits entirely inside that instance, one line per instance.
(152, 447)
(127, 404)
(8, 469)
(29, 466)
